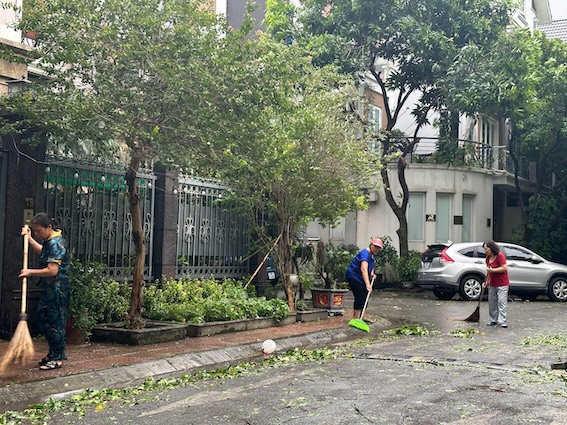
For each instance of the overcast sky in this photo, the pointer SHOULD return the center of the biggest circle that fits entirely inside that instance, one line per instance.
(558, 9)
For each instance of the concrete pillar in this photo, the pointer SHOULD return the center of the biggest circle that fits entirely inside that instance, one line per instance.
(165, 224)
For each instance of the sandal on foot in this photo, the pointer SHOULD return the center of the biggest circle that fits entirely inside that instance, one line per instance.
(50, 365)
(45, 360)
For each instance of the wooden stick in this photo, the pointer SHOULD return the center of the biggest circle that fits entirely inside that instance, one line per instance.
(263, 261)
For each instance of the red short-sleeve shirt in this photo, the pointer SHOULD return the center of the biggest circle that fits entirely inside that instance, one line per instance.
(497, 279)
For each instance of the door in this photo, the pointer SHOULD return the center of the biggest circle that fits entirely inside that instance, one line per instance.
(523, 273)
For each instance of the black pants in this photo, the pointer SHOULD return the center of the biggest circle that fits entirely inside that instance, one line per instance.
(359, 291)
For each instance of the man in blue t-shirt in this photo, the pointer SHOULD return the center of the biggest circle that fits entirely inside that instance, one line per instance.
(360, 273)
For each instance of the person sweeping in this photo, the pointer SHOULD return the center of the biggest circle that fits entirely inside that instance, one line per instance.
(359, 275)
(53, 279)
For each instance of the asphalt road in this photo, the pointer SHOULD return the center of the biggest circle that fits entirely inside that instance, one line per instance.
(461, 373)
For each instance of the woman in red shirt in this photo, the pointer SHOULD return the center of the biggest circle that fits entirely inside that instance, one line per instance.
(498, 284)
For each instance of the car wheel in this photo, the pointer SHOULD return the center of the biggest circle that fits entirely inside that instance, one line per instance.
(470, 288)
(443, 295)
(558, 289)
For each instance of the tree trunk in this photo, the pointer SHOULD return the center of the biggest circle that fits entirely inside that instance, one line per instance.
(136, 299)
(283, 248)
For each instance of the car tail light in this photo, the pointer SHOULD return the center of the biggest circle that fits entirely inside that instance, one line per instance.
(444, 257)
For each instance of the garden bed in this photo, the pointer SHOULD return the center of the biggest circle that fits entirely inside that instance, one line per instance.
(312, 315)
(213, 328)
(155, 332)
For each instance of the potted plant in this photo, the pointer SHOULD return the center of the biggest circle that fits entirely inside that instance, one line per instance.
(407, 269)
(332, 263)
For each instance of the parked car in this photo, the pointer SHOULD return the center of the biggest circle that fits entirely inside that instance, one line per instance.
(461, 267)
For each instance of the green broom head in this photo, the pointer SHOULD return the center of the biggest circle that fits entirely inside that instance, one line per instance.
(359, 324)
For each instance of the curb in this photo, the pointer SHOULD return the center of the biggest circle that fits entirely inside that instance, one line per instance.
(123, 376)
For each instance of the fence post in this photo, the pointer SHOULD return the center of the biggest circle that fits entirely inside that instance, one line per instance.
(166, 213)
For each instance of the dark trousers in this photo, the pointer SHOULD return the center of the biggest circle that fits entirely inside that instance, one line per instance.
(52, 317)
(359, 291)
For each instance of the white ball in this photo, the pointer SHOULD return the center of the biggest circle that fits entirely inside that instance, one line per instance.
(268, 346)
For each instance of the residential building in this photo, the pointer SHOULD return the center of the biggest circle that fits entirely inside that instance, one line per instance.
(445, 203)
(555, 29)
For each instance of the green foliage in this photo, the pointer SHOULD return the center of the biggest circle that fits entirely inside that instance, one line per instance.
(303, 253)
(207, 300)
(406, 45)
(98, 399)
(332, 262)
(307, 281)
(464, 333)
(388, 254)
(95, 298)
(407, 267)
(557, 341)
(409, 330)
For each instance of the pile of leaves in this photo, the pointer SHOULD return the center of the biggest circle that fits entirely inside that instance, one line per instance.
(208, 300)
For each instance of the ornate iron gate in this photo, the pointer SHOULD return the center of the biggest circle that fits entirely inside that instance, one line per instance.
(211, 240)
(91, 203)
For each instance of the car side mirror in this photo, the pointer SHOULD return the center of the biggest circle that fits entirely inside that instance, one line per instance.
(535, 259)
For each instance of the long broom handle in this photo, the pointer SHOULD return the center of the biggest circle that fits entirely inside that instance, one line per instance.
(367, 298)
(25, 280)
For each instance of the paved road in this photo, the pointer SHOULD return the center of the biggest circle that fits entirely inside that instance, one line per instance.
(499, 376)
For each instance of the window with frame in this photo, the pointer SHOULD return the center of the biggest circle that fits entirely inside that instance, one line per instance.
(443, 217)
(374, 118)
(467, 218)
(488, 138)
(416, 216)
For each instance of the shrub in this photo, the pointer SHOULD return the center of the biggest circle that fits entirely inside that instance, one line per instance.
(207, 300)
(95, 298)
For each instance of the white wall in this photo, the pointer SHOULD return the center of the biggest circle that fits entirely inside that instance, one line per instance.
(379, 220)
(7, 20)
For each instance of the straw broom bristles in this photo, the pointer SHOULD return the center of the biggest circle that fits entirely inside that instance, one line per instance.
(20, 349)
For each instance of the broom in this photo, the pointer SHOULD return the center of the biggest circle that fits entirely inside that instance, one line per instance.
(20, 350)
(475, 316)
(359, 323)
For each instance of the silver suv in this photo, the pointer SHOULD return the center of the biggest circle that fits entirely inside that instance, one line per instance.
(461, 267)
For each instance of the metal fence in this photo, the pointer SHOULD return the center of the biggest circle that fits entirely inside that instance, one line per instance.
(211, 240)
(91, 203)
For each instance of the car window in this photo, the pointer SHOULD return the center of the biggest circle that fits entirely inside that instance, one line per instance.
(517, 254)
(472, 252)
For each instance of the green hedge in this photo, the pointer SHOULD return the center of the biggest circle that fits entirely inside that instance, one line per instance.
(207, 300)
(96, 299)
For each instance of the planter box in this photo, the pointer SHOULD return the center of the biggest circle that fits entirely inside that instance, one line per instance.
(312, 315)
(154, 333)
(332, 300)
(213, 328)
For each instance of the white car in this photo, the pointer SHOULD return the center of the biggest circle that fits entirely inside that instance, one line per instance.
(461, 267)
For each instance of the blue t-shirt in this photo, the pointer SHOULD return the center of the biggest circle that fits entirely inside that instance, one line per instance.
(353, 270)
(55, 251)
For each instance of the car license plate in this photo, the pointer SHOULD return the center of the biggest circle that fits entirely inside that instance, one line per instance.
(271, 275)
(425, 265)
